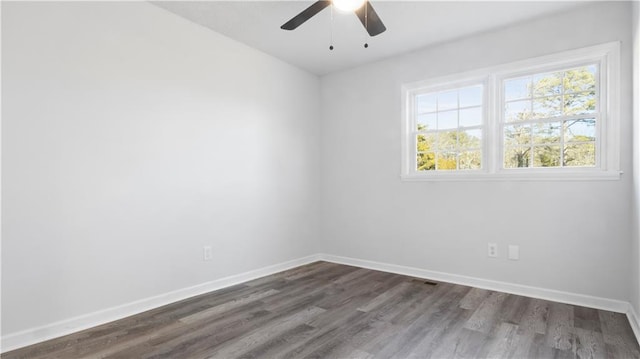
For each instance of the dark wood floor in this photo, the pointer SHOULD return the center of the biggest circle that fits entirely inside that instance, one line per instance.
(326, 310)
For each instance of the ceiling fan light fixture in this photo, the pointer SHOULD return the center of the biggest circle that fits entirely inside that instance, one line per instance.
(365, 13)
(348, 5)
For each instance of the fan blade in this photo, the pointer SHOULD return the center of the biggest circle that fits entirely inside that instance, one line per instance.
(371, 21)
(305, 15)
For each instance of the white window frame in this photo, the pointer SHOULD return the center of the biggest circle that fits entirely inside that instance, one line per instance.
(606, 56)
(469, 80)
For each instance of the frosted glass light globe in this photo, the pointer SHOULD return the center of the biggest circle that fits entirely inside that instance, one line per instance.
(348, 5)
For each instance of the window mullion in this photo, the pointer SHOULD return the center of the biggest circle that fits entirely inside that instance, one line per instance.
(493, 124)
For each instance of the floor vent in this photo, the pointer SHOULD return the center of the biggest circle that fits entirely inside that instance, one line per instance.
(422, 281)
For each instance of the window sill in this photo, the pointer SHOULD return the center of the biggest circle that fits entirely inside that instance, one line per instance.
(587, 175)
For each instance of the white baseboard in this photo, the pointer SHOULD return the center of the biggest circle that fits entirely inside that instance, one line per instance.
(535, 292)
(35, 335)
(634, 321)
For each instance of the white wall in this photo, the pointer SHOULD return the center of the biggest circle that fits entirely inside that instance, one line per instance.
(131, 138)
(635, 252)
(573, 236)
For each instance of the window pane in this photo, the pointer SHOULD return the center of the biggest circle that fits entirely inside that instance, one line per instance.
(470, 96)
(470, 139)
(517, 135)
(580, 155)
(426, 103)
(447, 140)
(426, 161)
(580, 79)
(546, 132)
(546, 107)
(426, 142)
(446, 161)
(579, 103)
(515, 157)
(470, 160)
(580, 130)
(517, 111)
(471, 117)
(426, 122)
(548, 84)
(516, 89)
(447, 120)
(546, 156)
(447, 100)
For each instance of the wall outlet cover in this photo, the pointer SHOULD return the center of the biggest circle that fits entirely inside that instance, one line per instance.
(514, 252)
(207, 253)
(492, 250)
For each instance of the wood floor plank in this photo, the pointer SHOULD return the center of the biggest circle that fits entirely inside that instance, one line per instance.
(465, 344)
(486, 316)
(277, 345)
(336, 315)
(404, 303)
(522, 344)
(587, 318)
(560, 330)
(435, 313)
(128, 342)
(514, 308)
(535, 317)
(262, 334)
(358, 354)
(371, 287)
(411, 302)
(343, 339)
(327, 310)
(474, 298)
(382, 339)
(224, 307)
(617, 334)
(325, 337)
(197, 337)
(385, 297)
(439, 334)
(590, 344)
(503, 343)
(539, 349)
(353, 276)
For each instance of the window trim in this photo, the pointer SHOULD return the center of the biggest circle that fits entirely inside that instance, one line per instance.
(607, 56)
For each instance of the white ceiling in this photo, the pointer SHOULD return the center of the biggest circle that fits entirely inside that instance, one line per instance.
(410, 25)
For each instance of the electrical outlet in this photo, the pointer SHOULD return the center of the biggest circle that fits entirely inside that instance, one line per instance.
(514, 252)
(492, 250)
(207, 253)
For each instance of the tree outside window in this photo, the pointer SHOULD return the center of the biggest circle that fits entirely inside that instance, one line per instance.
(550, 119)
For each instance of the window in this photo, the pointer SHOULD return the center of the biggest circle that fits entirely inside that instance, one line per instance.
(448, 129)
(550, 119)
(553, 117)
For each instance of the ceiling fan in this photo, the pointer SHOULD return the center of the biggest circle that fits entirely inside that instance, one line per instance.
(362, 8)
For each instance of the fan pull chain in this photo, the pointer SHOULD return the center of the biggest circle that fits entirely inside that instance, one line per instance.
(366, 21)
(331, 43)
